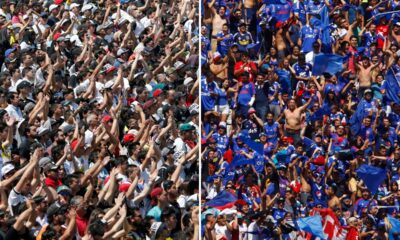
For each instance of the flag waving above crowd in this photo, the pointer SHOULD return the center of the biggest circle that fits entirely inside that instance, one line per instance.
(300, 119)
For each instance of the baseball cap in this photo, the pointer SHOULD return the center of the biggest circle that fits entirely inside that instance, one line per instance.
(222, 125)
(251, 111)
(52, 7)
(186, 127)
(367, 91)
(122, 51)
(156, 192)
(64, 189)
(9, 51)
(157, 92)
(129, 138)
(7, 169)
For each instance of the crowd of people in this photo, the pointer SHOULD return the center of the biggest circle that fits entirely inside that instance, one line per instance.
(99, 119)
(285, 128)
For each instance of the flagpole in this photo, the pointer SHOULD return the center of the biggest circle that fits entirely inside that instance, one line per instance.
(379, 14)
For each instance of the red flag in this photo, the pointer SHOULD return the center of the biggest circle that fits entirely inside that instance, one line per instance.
(332, 227)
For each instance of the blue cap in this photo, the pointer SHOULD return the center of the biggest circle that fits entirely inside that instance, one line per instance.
(9, 51)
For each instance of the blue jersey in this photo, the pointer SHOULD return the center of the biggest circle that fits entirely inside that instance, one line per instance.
(272, 90)
(278, 213)
(222, 97)
(243, 39)
(369, 38)
(224, 45)
(272, 132)
(303, 71)
(246, 93)
(281, 12)
(362, 204)
(207, 101)
(252, 128)
(339, 143)
(259, 161)
(318, 193)
(300, 9)
(311, 147)
(314, 8)
(222, 142)
(308, 36)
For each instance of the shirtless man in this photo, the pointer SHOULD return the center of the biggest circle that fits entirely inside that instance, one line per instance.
(293, 117)
(249, 9)
(396, 31)
(219, 67)
(364, 75)
(280, 44)
(218, 20)
(333, 200)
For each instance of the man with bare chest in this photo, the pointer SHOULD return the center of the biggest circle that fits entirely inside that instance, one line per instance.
(218, 21)
(364, 75)
(294, 117)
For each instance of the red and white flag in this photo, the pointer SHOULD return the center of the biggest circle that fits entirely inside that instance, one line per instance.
(332, 228)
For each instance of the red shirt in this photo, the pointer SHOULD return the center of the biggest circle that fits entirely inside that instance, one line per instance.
(352, 60)
(81, 224)
(52, 183)
(383, 30)
(247, 68)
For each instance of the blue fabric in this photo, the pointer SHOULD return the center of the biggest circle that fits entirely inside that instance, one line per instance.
(239, 160)
(371, 176)
(221, 199)
(395, 227)
(284, 80)
(325, 33)
(256, 146)
(393, 88)
(329, 63)
(312, 225)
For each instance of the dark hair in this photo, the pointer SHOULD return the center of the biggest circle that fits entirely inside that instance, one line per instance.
(10, 96)
(97, 229)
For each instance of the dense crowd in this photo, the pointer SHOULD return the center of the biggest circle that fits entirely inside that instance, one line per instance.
(299, 109)
(99, 119)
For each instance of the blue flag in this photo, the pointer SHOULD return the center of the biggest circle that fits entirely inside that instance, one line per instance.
(393, 88)
(256, 146)
(284, 80)
(356, 119)
(325, 27)
(327, 63)
(223, 198)
(312, 225)
(269, 2)
(371, 176)
(239, 160)
(395, 228)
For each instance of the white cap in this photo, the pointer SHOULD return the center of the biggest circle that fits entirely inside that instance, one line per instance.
(6, 169)
(52, 7)
(122, 20)
(187, 81)
(108, 85)
(178, 65)
(73, 5)
(86, 7)
(149, 87)
(216, 55)
(121, 51)
(42, 130)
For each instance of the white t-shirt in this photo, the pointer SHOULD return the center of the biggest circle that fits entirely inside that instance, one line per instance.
(222, 231)
(253, 227)
(14, 199)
